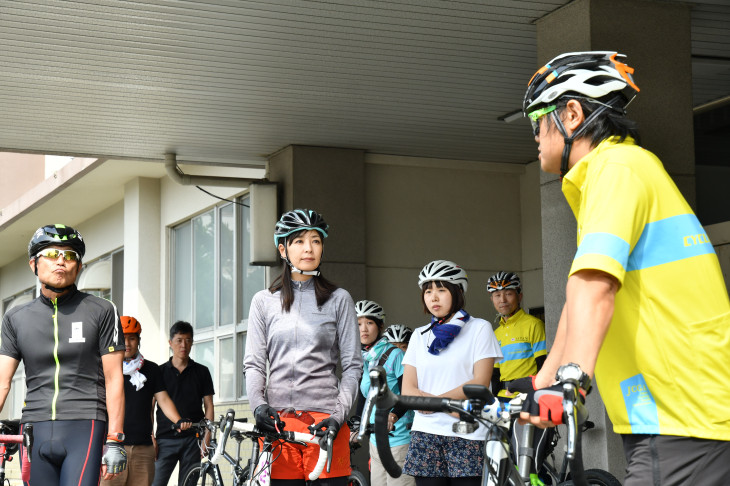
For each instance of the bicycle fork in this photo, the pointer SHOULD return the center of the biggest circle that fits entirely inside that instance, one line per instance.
(497, 465)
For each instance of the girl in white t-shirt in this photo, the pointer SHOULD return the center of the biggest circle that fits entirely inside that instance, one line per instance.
(454, 350)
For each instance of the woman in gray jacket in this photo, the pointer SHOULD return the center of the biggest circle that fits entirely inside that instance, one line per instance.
(302, 327)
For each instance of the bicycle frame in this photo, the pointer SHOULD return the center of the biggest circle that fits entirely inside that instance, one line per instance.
(212, 468)
(481, 406)
(261, 461)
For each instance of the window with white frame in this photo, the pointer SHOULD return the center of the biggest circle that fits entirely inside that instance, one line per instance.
(16, 396)
(104, 277)
(212, 288)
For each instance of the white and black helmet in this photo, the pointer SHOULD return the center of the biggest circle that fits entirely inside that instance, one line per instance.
(298, 220)
(368, 308)
(592, 74)
(398, 333)
(504, 281)
(443, 271)
(598, 77)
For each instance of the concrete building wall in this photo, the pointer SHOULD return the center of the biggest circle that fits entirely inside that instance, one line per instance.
(419, 210)
(16, 277)
(20, 172)
(103, 232)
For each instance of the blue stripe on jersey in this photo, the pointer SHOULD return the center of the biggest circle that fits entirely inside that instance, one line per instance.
(640, 406)
(606, 244)
(516, 351)
(538, 346)
(669, 240)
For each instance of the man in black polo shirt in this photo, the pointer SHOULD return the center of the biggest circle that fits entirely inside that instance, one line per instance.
(142, 384)
(189, 385)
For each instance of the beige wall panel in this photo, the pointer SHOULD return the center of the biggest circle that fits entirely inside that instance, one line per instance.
(103, 232)
(461, 222)
(418, 214)
(16, 277)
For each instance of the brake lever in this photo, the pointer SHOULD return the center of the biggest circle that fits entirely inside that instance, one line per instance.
(367, 411)
(575, 415)
(330, 442)
(28, 439)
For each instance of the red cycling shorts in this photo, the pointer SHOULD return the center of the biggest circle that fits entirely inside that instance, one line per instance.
(293, 461)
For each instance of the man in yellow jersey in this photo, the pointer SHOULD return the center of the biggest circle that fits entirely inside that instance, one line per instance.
(521, 336)
(646, 305)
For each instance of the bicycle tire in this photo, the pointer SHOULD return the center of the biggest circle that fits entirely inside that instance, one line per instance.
(597, 477)
(357, 478)
(193, 477)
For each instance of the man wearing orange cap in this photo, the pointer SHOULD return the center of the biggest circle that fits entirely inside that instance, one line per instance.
(142, 382)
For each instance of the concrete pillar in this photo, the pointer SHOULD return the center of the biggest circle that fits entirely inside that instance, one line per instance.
(656, 38)
(141, 260)
(332, 182)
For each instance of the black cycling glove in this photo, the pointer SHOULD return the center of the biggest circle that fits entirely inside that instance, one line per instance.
(178, 425)
(547, 403)
(328, 426)
(267, 419)
(115, 457)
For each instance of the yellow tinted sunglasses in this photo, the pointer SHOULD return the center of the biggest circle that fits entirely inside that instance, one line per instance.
(53, 253)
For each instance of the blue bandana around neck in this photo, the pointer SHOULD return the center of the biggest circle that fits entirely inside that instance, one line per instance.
(445, 332)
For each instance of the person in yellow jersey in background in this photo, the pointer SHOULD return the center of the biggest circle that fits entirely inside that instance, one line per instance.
(521, 336)
(646, 307)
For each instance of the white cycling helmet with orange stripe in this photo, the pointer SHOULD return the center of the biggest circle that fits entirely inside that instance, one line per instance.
(593, 74)
(504, 281)
(600, 78)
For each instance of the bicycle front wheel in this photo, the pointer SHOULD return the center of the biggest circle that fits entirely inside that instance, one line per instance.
(198, 476)
(356, 478)
(597, 477)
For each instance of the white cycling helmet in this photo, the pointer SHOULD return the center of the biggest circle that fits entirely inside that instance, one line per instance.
(368, 308)
(443, 271)
(592, 74)
(598, 77)
(398, 333)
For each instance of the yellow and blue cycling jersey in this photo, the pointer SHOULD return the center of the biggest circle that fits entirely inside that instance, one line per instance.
(522, 339)
(665, 363)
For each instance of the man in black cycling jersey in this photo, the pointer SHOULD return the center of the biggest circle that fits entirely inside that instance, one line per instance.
(72, 346)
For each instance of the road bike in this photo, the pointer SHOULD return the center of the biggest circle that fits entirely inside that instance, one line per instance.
(356, 477)
(10, 439)
(263, 453)
(480, 408)
(541, 456)
(207, 473)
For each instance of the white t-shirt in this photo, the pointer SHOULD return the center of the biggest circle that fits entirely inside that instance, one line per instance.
(451, 368)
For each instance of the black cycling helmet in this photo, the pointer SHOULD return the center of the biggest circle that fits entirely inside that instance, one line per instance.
(293, 222)
(298, 220)
(56, 234)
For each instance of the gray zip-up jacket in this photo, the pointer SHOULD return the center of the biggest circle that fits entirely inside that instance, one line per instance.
(303, 348)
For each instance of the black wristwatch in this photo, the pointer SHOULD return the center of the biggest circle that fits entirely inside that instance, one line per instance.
(115, 436)
(572, 372)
